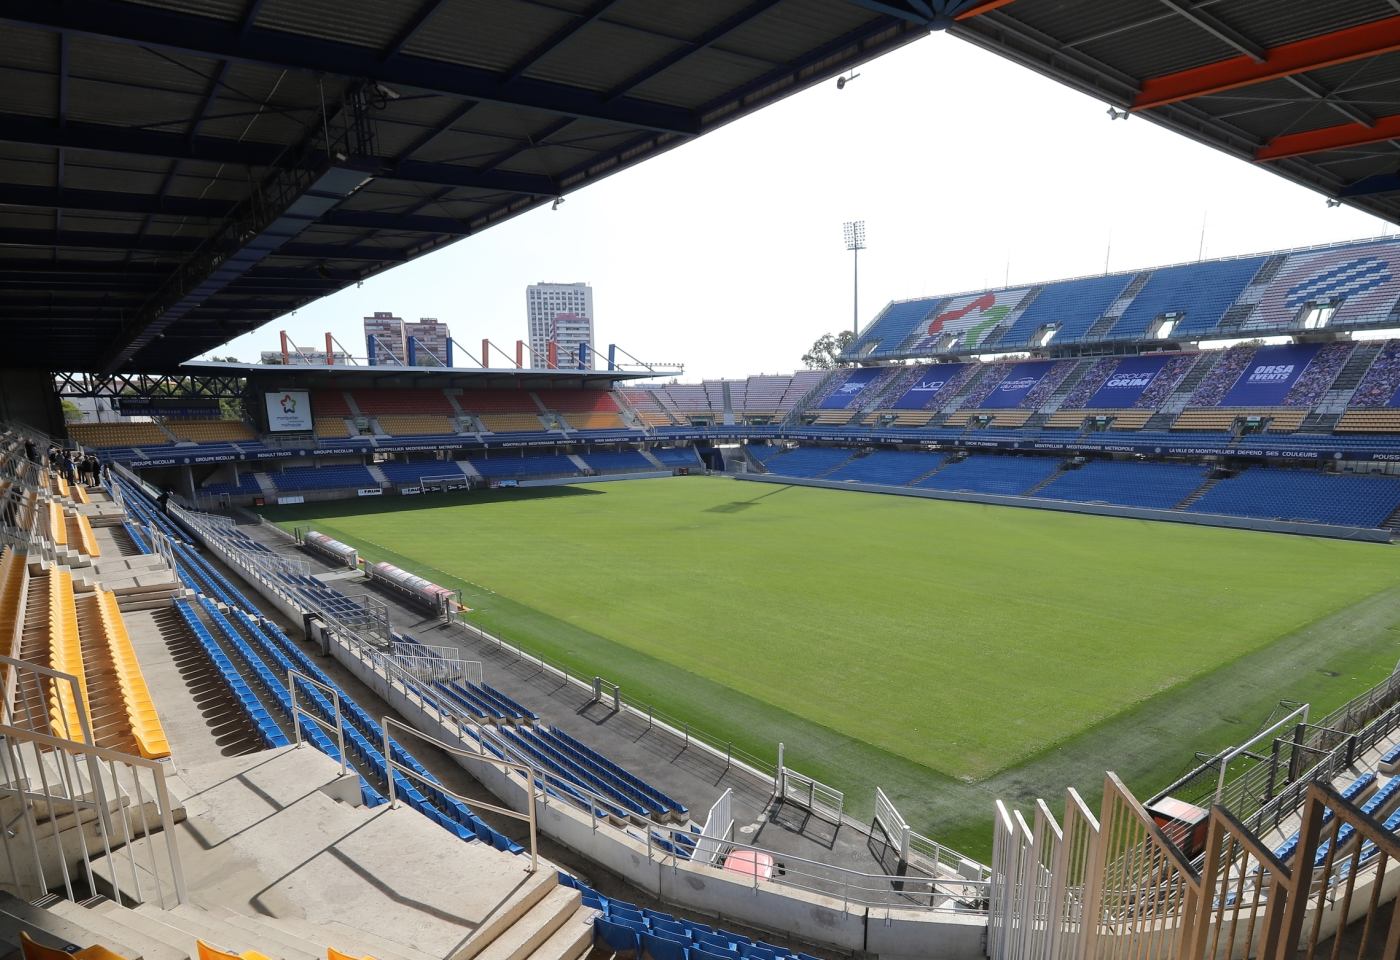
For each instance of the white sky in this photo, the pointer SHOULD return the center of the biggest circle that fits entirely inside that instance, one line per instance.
(726, 254)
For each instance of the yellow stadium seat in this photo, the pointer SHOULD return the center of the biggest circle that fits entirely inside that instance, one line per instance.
(65, 656)
(209, 431)
(508, 422)
(210, 952)
(331, 427)
(333, 954)
(33, 950)
(140, 710)
(594, 421)
(415, 426)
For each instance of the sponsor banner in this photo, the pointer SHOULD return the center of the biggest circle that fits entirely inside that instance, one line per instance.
(969, 318)
(282, 500)
(288, 410)
(370, 492)
(273, 454)
(1019, 382)
(167, 407)
(418, 447)
(926, 387)
(854, 386)
(1270, 375)
(1129, 379)
(1365, 279)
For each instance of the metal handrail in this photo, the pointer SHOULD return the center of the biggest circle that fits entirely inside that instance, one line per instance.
(530, 772)
(299, 711)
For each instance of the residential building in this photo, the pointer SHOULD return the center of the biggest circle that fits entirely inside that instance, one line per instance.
(562, 313)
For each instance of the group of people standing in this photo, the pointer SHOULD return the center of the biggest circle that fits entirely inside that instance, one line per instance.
(73, 467)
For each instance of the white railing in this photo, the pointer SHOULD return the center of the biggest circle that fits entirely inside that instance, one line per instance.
(524, 770)
(68, 803)
(823, 800)
(718, 826)
(298, 711)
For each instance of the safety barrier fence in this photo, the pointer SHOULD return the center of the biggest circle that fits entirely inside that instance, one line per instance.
(72, 809)
(719, 825)
(1124, 891)
(528, 773)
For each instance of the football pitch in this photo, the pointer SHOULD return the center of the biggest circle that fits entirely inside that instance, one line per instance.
(945, 651)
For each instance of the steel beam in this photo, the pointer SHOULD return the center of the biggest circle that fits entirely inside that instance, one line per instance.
(561, 36)
(1340, 137)
(1342, 46)
(150, 26)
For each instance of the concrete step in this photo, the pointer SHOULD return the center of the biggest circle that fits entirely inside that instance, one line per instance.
(173, 937)
(348, 939)
(253, 935)
(572, 940)
(48, 928)
(509, 913)
(137, 942)
(266, 931)
(202, 925)
(527, 934)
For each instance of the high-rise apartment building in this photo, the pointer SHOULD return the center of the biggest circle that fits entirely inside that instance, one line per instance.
(430, 337)
(384, 340)
(562, 313)
(391, 334)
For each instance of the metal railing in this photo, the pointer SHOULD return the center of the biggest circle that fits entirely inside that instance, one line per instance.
(68, 802)
(522, 769)
(338, 731)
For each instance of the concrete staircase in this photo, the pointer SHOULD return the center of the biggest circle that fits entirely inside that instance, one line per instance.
(281, 859)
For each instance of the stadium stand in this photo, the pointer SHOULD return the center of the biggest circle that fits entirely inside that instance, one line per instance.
(528, 466)
(680, 456)
(888, 468)
(511, 422)
(618, 461)
(414, 426)
(1071, 308)
(330, 403)
(1381, 380)
(989, 473)
(1198, 293)
(247, 484)
(1292, 494)
(331, 428)
(807, 461)
(408, 402)
(497, 401)
(594, 421)
(293, 479)
(1129, 483)
(578, 401)
(414, 471)
(119, 434)
(209, 431)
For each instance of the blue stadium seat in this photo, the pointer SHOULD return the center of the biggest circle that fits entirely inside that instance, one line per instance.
(1280, 493)
(807, 461)
(988, 473)
(618, 461)
(1129, 483)
(889, 468)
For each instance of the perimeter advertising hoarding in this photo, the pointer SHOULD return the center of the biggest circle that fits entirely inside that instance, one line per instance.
(288, 410)
(1271, 375)
(1365, 279)
(926, 387)
(853, 387)
(1129, 379)
(1019, 382)
(970, 318)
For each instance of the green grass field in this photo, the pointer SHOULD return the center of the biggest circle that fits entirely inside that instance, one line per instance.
(945, 651)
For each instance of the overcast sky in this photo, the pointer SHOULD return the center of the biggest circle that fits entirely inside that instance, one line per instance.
(726, 254)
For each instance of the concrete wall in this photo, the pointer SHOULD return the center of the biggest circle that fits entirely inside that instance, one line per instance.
(1096, 509)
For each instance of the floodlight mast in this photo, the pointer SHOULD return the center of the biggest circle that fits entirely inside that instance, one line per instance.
(855, 242)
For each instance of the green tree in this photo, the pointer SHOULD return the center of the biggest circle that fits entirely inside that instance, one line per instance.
(826, 349)
(71, 413)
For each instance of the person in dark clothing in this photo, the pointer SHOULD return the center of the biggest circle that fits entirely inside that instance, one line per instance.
(31, 452)
(164, 501)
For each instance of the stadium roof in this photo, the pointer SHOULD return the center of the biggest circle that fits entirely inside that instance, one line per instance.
(1309, 89)
(175, 173)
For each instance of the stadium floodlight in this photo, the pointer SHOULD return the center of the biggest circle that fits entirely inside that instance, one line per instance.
(1116, 114)
(855, 242)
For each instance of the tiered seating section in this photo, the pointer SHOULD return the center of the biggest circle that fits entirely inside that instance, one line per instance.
(1270, 493)
(296, 479)
(629, 931)
(209, 431)
(248, 650)
(1241, 297)
(119, 434)
(508, 467)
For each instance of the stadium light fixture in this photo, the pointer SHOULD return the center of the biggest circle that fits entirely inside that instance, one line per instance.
(557, 201)
(1333, 202)
(855, 242)
(1115, 114)
(842, 81)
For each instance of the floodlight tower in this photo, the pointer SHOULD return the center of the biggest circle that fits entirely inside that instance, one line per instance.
(855, 242)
